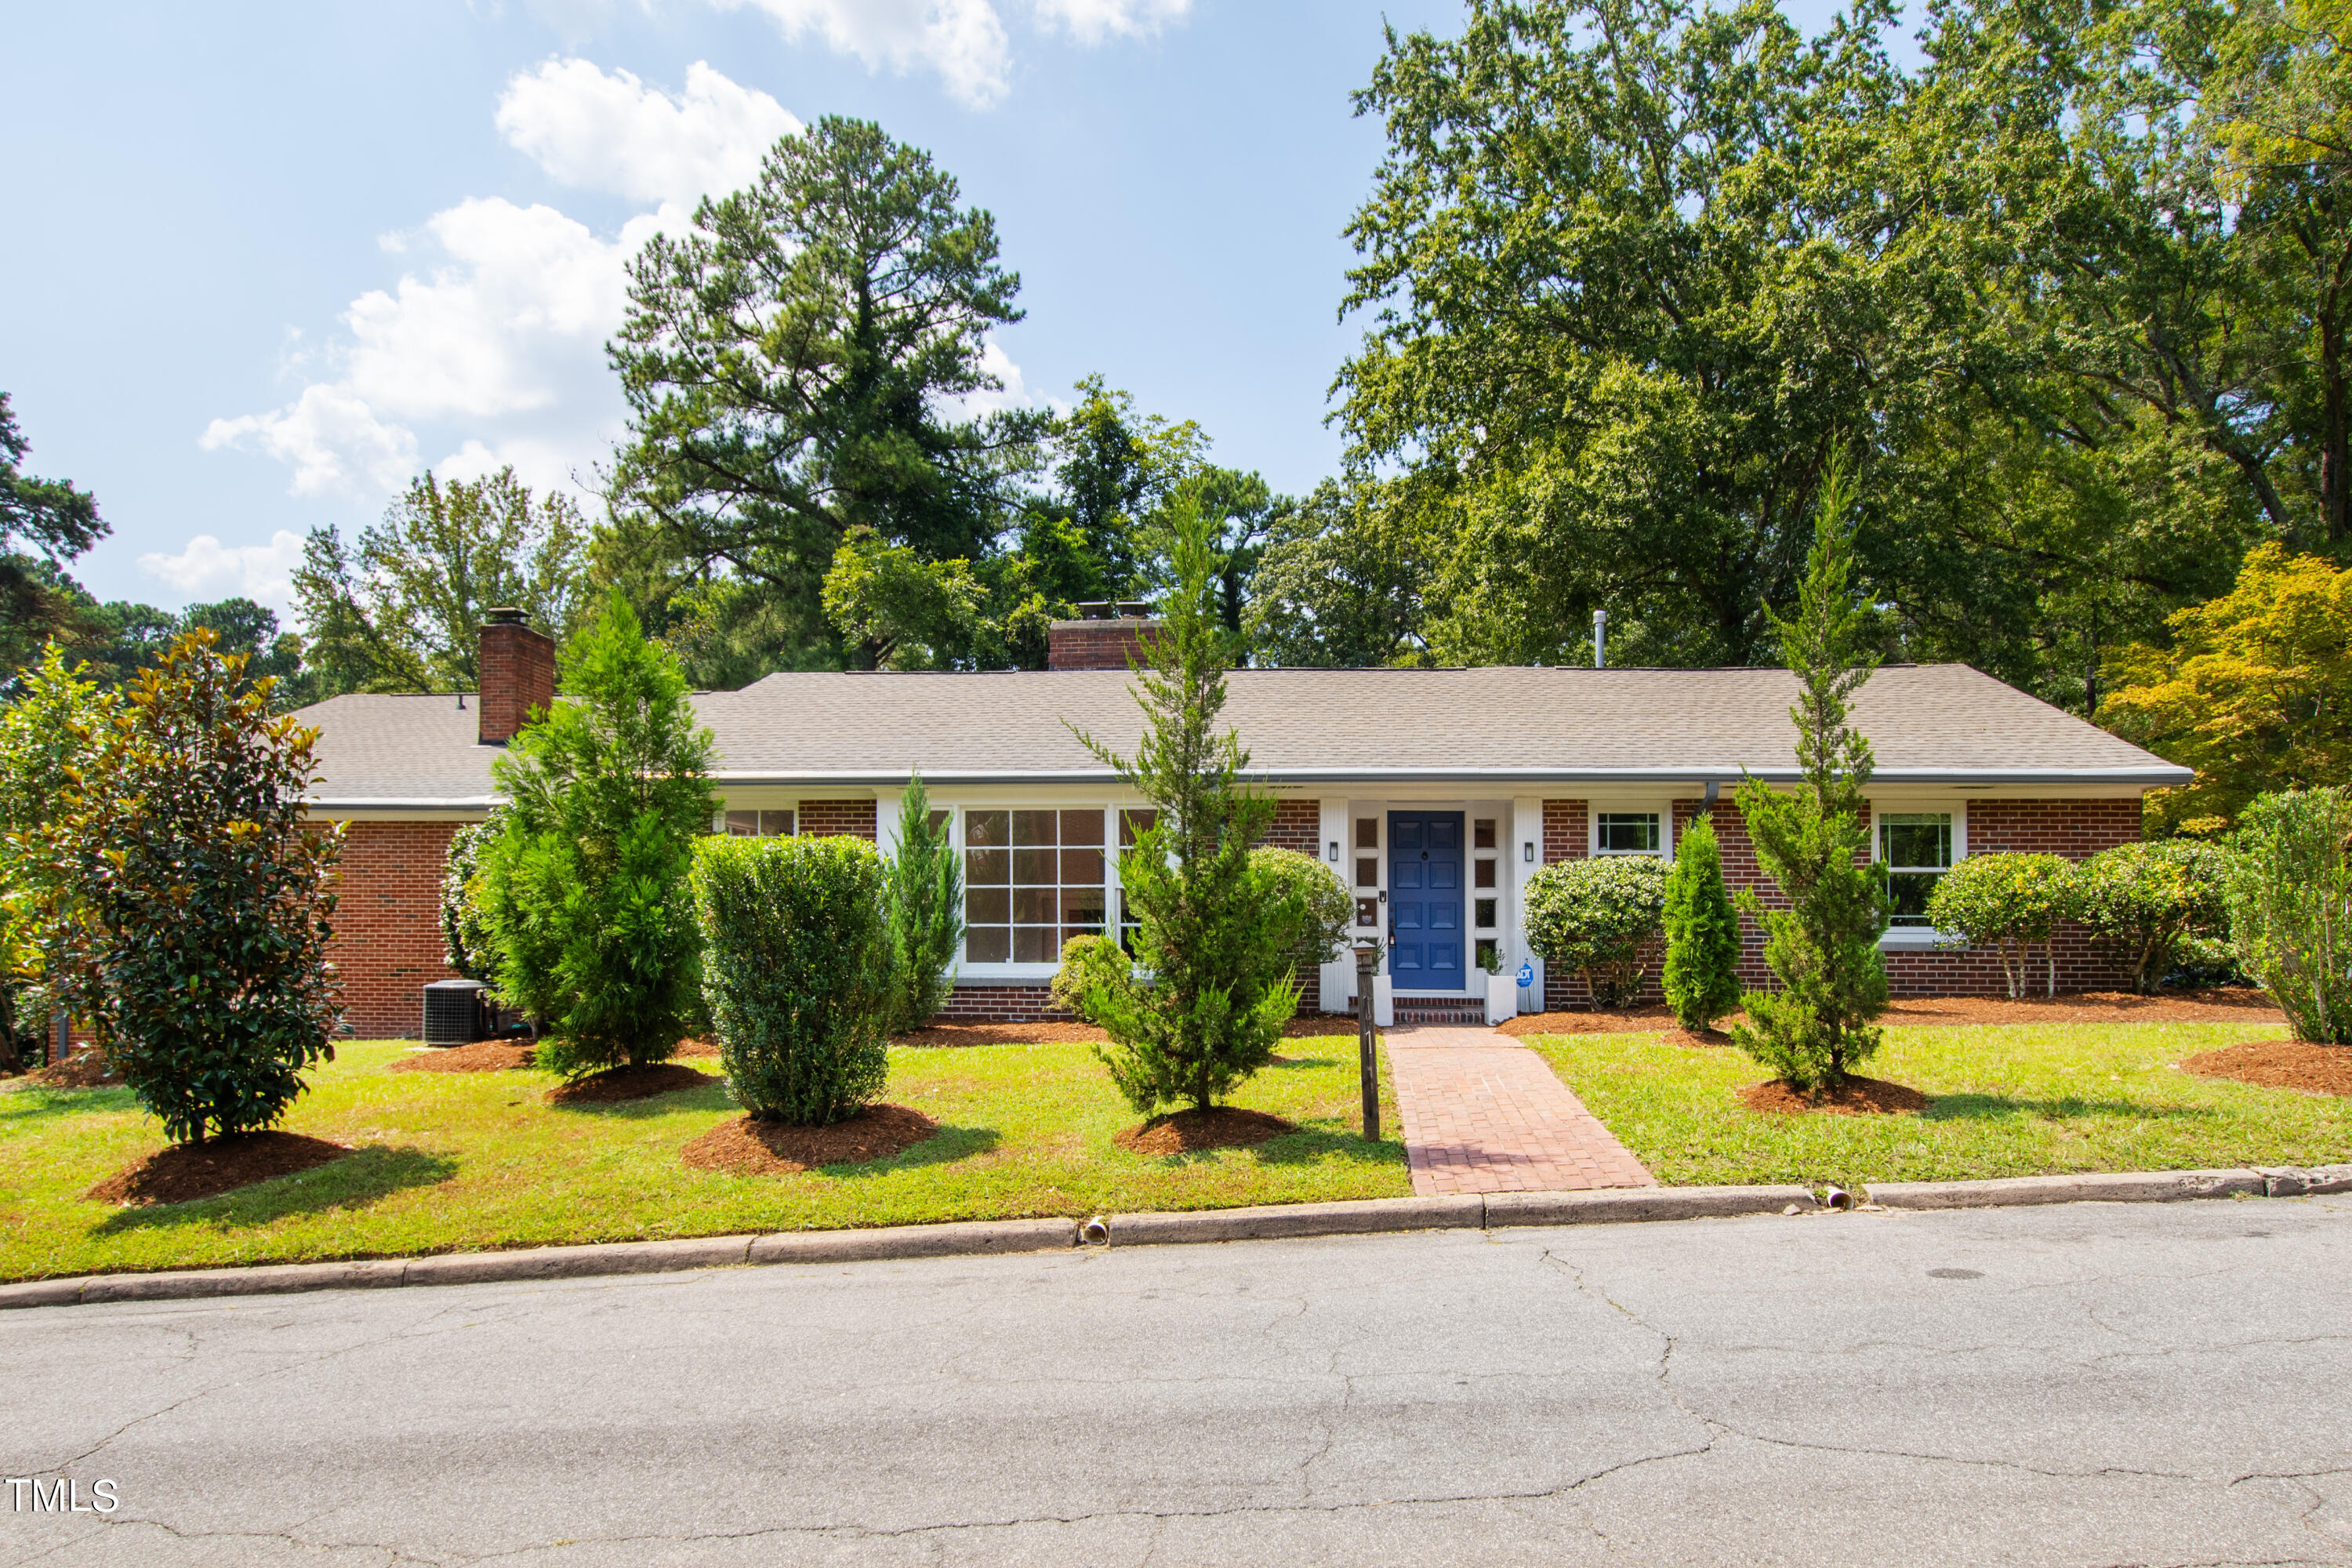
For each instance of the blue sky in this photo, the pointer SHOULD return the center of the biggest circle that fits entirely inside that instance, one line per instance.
(281, 257)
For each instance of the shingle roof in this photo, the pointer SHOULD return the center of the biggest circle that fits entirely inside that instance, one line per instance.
(1926, 724)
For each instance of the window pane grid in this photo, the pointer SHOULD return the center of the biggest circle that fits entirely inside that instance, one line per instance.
(758, 823)
(1033, 879)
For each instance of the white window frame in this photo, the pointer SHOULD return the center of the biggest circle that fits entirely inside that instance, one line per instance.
(1908, 938)
(1664, 814)
(1113, 895)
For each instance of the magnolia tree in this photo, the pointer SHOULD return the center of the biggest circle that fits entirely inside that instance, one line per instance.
(193, 902)
(45, 738)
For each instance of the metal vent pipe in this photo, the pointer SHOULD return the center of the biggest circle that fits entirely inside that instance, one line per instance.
(1599, 639)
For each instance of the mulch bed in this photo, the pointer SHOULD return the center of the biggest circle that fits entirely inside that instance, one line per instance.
(746, 1147)
(1859, 1096)
(2221, 1005)
(1189, 1131)
(187, 1171)
(87, 1070)
(939, 1032)
(2279, 1064)
(627, 1083)
(482, 1056)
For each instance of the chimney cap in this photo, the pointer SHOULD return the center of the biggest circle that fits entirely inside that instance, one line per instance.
(1111, 609)
(503, 616)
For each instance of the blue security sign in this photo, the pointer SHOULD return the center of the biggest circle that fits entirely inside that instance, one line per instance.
(1526, 974)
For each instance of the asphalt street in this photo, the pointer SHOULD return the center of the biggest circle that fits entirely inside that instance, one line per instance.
(2087, 1385)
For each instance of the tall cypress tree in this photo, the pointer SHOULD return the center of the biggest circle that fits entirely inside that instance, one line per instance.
(1702, 973)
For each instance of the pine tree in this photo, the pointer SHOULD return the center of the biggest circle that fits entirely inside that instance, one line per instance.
(1812, 841)
(1702, 973)
(1203, 1001)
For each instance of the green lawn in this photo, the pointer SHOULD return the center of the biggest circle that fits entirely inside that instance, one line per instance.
(2004, 1100)
(452, 1161)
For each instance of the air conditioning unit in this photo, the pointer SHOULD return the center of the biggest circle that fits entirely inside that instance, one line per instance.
(457, 1012)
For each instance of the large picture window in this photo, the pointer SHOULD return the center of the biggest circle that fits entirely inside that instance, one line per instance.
(1916, 848)
(758, 823)
(1033, 879)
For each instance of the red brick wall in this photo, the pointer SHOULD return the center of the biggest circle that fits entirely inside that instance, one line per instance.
(518, 676)
(387, 941)
(834, 818)
(1096, 645)
(1001, 1003)
(1297, 824)
(2074, 828)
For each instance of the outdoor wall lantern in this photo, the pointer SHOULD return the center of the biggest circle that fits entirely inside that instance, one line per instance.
(1331, 851)
(1528, 851)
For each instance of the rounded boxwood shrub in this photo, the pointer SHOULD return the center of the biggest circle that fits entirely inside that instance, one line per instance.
(798, 973)
(2140, 900)
(2006, 902)
(1600, 917)
(1316, 894)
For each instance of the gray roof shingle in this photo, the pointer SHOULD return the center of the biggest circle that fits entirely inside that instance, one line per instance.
(1926, 724)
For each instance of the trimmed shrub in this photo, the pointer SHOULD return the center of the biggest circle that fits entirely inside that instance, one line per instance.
(1701, 978)
(1599, 916)
(1314, 893)
(2290, 898)
(2007, 902)
(194, 902)
(465, 933)
(798, 973)
(583, 888)
(925, 893)
(2140, 900)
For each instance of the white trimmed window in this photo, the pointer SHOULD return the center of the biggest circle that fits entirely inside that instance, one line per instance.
(1627, 833)
(1031, 880)
(758, 823)
(1916, 848)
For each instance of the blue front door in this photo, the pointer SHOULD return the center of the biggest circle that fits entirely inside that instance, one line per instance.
(1425, 900)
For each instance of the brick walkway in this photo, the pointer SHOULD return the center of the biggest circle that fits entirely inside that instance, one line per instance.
(1482, 1113)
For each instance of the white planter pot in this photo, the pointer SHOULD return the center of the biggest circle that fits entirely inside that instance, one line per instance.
(1502, 996)
(1384, 1002)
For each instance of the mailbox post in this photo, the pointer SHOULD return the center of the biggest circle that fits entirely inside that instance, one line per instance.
(1368, 1061)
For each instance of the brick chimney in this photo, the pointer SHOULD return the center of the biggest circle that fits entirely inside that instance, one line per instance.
(518, 675)
(1106, 636)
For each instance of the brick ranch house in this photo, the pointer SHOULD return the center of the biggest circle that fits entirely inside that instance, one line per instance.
(1432, 792)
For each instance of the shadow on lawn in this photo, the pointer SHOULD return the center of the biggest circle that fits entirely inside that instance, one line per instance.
(27, 1105)
(944, 1147)
(2003, 1107)
(353, 1182)
(1307, 1146)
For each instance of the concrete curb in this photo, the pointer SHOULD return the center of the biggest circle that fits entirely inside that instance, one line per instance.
(2128, 1187)
(1619, 1205)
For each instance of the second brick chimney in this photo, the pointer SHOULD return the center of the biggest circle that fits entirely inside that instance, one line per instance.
(1107, 637)
(518, 675)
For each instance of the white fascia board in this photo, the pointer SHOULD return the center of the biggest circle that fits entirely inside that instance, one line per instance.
(2161, 773)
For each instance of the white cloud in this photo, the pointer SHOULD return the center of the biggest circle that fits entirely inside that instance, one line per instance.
(1090, 22)
(327, 436)
(616, 133)
(962, 40)
(209, 569)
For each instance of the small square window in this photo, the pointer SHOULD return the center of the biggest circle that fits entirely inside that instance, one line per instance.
(1487, 960)
(1625, 832)
(1482, 875)
(1134, 825)
(1368, 871)
(1481, 833)
(1367, 833)
(1485, 908)
(1368, 911)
